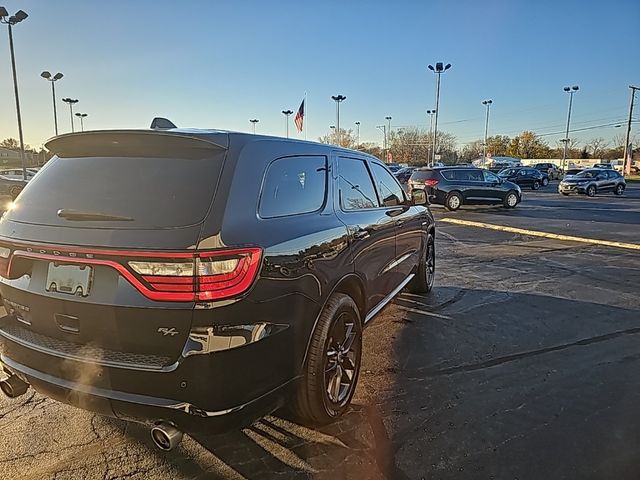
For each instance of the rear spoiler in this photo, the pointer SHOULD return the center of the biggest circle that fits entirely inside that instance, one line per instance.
(138, 143)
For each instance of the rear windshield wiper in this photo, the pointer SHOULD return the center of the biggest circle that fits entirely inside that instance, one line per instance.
(91, 216)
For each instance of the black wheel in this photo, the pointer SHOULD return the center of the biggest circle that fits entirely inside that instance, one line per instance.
(14, 191)
(454, 201)
(536, 185)
(545, 181)
(511, 199)
(619, 190)
(591, 190)
(426, 273)
(331, 371)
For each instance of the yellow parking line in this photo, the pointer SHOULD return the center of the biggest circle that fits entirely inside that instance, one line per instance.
(536, 233)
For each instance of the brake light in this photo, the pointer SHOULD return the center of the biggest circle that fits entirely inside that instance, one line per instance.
(431, 182)
(207, 276)
(162, 276)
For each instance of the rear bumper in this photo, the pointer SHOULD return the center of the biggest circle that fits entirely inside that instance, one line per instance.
(147, 409)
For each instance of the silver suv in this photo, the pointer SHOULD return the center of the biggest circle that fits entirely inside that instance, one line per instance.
(592, 181)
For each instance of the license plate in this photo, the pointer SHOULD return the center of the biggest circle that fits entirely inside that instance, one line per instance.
(69, 279)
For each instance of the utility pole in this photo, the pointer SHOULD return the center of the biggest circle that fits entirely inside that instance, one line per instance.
(388, 134)
(627, 154)
(431, 113)
(570, 91)
(487, 103)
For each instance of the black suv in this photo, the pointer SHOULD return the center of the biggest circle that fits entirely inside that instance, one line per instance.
(455, 186)
(525, 177)
(199, 279)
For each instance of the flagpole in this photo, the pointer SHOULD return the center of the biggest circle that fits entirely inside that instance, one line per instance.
(305, 114)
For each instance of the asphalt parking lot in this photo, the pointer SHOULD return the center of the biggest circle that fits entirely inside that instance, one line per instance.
(523, 363)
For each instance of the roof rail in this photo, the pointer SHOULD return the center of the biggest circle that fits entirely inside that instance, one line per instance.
(160, 123)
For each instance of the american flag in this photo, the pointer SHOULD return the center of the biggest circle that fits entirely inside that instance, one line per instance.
(300, 117)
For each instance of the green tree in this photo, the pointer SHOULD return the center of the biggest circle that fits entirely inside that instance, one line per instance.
(528, 145)
(498, 145)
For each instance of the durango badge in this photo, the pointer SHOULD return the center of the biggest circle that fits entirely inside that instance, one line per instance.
(168, 331)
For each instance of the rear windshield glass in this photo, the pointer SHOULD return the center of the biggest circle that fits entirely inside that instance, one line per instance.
(423, 174)
(145, 192)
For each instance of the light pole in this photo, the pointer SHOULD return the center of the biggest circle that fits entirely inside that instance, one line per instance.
(438, 70)
(286, 113)
(47, 76)
(10, 22)
(357, 133)
(627, 153)
(570, 91)
(253, 124)
(431, 113)
(71, 102)
(384, 139)
(388, 119)
(338, 99)
(82, 116)
(486, 103)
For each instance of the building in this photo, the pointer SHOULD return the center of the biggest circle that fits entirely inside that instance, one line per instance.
(11, 158)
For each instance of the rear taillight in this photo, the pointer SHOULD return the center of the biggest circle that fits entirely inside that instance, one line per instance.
(207, 276)
(162, 276)
(431, 182)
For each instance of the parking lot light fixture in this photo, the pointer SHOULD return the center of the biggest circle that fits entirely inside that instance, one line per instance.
(570, 91)
(486, 103)
(10, 22)
(383, 128)
(253, 124)
(439, 69)
(338, 99)
(82, 116)
(287, 114)
(71, 102)
(357, 133)
(53, 79)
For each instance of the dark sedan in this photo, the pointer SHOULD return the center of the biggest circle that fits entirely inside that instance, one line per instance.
(525, 177)
(455, 186)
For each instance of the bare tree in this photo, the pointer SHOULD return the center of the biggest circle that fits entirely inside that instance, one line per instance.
(596, 147)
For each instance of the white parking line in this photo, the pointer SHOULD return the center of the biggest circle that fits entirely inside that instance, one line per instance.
(536, 233)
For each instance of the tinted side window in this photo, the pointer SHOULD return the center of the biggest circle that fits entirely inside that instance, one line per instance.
(293, 185)
(390, 192)
(355, 184)
(490, 177)
(473, 175)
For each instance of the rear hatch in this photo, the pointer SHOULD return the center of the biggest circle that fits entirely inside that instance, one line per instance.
(426, 179)
(96, 254)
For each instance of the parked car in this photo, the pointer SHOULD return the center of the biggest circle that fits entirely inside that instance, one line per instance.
(393, 167)
(223, 276)
(551, 169)
(525, 177)
(457, 186)
(403, 175)
(572, 171)
(11, 186)
(593, 181)
(16, 172)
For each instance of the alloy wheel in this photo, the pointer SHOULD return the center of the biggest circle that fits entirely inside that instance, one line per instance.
(341, 359)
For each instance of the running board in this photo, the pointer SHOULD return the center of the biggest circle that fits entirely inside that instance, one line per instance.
(375, 310)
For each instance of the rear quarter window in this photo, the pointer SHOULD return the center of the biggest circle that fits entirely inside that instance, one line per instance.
(293, 186)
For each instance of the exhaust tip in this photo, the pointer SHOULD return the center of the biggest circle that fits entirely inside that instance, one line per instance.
(13, 387)
(165, 436)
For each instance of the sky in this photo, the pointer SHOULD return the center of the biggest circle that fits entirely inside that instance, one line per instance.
(209, 64)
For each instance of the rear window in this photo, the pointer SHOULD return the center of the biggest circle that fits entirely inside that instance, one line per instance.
(293, 185)
(154, 192)
(420, 175)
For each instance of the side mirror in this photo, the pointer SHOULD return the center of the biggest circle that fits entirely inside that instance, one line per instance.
(419, 197)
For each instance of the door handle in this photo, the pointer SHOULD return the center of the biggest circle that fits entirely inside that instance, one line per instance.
(360, 234)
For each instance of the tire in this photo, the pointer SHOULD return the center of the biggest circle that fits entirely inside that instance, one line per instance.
(313, 404)
(425, 275)
(536, 185)
(619, 190)
(545, 181)
(591, 191)
(14, 191)
(510, 199)
(453, 201)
